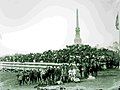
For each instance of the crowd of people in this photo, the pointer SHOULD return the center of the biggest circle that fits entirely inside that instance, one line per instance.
(87, 61)
(70, 54)
(41, 76)
(52, 75)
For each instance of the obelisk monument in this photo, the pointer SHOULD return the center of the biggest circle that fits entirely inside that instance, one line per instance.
(77, 39)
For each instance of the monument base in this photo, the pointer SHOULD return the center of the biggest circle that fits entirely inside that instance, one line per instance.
(77, 41)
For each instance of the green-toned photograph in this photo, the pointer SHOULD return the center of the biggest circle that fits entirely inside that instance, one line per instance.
(59, 45)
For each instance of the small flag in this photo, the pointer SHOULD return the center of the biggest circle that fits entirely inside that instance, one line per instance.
(117, 22)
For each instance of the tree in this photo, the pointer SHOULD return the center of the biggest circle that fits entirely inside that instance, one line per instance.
(115, 47)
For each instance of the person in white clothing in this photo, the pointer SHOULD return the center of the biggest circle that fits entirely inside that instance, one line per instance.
(71, 74)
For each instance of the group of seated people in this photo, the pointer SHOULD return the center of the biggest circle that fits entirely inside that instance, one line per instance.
(66, 55)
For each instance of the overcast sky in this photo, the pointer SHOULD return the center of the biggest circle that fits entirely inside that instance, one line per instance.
(38, 25)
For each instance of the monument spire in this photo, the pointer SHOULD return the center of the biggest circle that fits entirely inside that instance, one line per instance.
(77, 19)
(77, 39)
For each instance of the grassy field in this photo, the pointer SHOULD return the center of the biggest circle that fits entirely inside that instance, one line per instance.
(105, 80)
(10, 82)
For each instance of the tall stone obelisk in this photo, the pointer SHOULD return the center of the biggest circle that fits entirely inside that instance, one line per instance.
(77, 39)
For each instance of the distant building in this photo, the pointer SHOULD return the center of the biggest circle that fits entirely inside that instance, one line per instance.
(77, 39)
